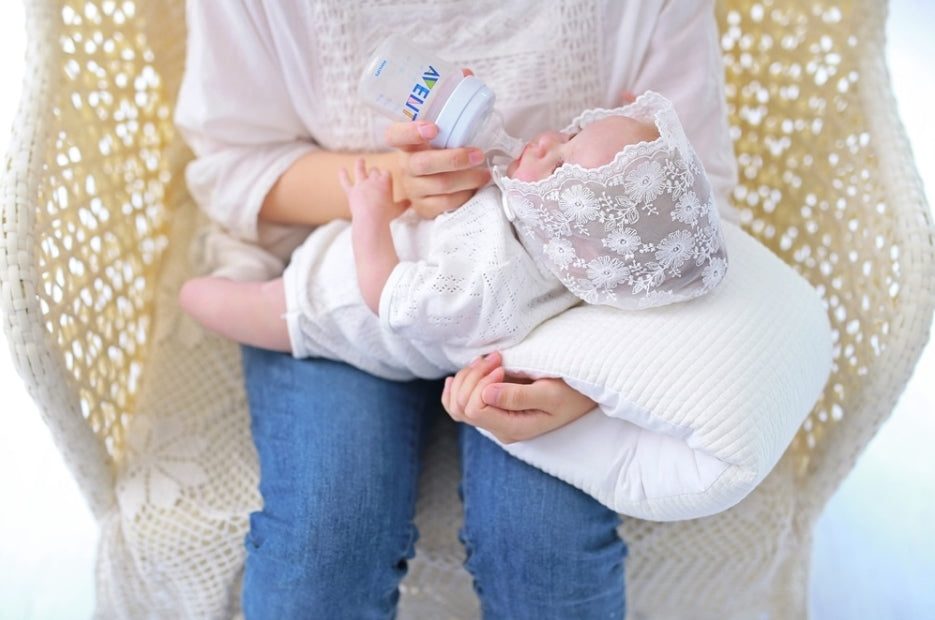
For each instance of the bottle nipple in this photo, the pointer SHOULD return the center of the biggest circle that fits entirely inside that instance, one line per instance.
(499, 146)
(502, 143)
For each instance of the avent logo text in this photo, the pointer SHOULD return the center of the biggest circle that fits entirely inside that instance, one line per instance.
(420, 93)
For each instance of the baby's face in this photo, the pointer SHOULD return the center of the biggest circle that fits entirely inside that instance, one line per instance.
(592, 147)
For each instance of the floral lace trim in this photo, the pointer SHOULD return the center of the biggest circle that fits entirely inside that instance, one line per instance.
(640, 231)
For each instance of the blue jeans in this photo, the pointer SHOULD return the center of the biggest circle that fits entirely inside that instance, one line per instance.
(340, 454)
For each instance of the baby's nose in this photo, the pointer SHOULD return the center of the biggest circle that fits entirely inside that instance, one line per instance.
(547, 141)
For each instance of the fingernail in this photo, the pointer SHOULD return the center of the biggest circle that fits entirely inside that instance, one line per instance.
(491, 395)
(475, 157)
(427, 130)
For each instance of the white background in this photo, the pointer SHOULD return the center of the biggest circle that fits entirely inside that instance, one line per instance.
(875, 545)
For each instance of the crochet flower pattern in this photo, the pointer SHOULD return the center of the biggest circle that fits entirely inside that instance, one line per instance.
(162, 459)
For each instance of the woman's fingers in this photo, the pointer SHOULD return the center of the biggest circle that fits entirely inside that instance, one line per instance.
(548, 394)
(434, 180)
(521, 396)
(438, 161)
(436, 194)
(410, 135)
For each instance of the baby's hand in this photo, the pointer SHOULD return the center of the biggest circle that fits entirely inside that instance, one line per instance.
(370, 193)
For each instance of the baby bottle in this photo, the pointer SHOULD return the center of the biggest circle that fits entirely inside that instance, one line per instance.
(404, 83)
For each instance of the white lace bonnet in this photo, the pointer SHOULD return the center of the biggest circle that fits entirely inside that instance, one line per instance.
(640, 231)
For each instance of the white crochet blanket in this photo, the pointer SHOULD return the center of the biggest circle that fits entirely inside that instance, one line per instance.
(698, 400)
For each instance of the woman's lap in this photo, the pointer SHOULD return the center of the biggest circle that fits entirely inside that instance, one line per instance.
(340, 453)
(338, 486)
(537, 547)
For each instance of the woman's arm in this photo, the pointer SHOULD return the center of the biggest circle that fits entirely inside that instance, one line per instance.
(236, 112)
(432, 181)
(256, 158)
(308, 192)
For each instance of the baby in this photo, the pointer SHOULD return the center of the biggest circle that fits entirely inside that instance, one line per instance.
(614, 210)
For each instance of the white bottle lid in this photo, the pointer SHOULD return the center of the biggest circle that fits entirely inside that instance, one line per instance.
(464, 113)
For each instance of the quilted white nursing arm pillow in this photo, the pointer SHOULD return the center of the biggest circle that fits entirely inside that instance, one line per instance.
(697, 400)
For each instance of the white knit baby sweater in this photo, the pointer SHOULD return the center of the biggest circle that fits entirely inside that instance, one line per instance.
(464, 286)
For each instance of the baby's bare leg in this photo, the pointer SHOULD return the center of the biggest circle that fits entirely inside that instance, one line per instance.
(247, 312)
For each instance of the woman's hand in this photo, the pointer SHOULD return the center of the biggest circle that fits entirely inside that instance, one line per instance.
(510, 408)
(433, 180)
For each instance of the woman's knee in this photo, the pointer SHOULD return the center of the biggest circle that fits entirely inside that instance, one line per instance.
(339, 455)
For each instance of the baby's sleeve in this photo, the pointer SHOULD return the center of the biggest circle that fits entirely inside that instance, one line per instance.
(474, 289)
(440, 300)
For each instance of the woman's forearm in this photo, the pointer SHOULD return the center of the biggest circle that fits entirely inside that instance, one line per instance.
(308, 192)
